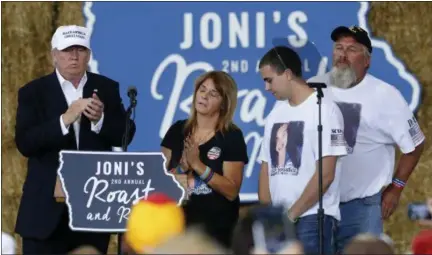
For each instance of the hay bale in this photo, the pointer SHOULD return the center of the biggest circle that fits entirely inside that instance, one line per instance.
(25, 56)
(399, 24)
(27, 29)
(70, 13)
(25, 48)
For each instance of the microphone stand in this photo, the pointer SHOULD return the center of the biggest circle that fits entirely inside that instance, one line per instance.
(129, 111)
(320, 94)
(125, 141)
(318, 87)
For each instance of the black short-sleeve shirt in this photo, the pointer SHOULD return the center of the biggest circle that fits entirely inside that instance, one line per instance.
(205, 205)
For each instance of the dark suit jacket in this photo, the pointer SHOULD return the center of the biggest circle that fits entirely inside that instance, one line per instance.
(39, 137)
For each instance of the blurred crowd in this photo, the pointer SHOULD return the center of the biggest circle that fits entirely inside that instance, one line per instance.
(156, 225)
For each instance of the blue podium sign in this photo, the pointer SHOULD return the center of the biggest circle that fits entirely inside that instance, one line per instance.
(100, 187)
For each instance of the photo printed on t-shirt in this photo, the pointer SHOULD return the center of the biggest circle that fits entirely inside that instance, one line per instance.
(286, 144)
(351, 115)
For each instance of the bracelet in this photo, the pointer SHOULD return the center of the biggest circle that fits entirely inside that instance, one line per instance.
(209, 177)
(177, 170)
(398, 183)
(206, 173)
(181, 170)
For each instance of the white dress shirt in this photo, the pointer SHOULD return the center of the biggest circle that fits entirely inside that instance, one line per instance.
(71, 94)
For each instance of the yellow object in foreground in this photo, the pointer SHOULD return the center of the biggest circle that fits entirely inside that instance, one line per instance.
(152, 221)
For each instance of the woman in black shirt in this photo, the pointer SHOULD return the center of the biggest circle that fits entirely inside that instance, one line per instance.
(210, 149)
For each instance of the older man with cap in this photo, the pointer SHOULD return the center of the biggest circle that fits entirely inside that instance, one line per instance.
(69, 109)
(377, 119)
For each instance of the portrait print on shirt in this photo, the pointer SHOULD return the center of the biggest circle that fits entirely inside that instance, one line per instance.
(286, 145)
(351, 115)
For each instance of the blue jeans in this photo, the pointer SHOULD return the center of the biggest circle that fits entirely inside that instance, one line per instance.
(358, 216)
(307, 232)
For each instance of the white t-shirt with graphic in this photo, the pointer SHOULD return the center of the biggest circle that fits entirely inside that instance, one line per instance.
(290, 148)
(376, 118)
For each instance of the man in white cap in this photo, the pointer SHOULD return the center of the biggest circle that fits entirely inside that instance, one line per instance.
(69, 109)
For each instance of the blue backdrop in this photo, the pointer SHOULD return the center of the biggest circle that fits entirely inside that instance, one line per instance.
(162, 47)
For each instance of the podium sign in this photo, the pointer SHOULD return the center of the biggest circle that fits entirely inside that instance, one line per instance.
(100, 187)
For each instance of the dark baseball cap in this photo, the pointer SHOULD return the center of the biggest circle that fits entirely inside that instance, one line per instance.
(358, 33)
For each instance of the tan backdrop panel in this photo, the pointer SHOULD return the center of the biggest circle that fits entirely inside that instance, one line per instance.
(26, 34)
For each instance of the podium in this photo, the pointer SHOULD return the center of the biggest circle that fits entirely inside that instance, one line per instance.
(99, 188)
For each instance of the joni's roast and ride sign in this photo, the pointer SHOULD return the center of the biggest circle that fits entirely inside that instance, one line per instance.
(100, 187)
(195, 37)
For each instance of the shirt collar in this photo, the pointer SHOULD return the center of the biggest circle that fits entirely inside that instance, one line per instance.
(63, 80)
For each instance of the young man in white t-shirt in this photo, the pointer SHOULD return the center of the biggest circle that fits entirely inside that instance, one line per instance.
(376, 118)
(289, 154)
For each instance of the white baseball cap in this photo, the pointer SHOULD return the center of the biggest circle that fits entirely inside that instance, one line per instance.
(66, 36)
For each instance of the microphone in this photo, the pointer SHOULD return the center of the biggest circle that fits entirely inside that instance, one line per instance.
(132, 93)
(318, 86)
